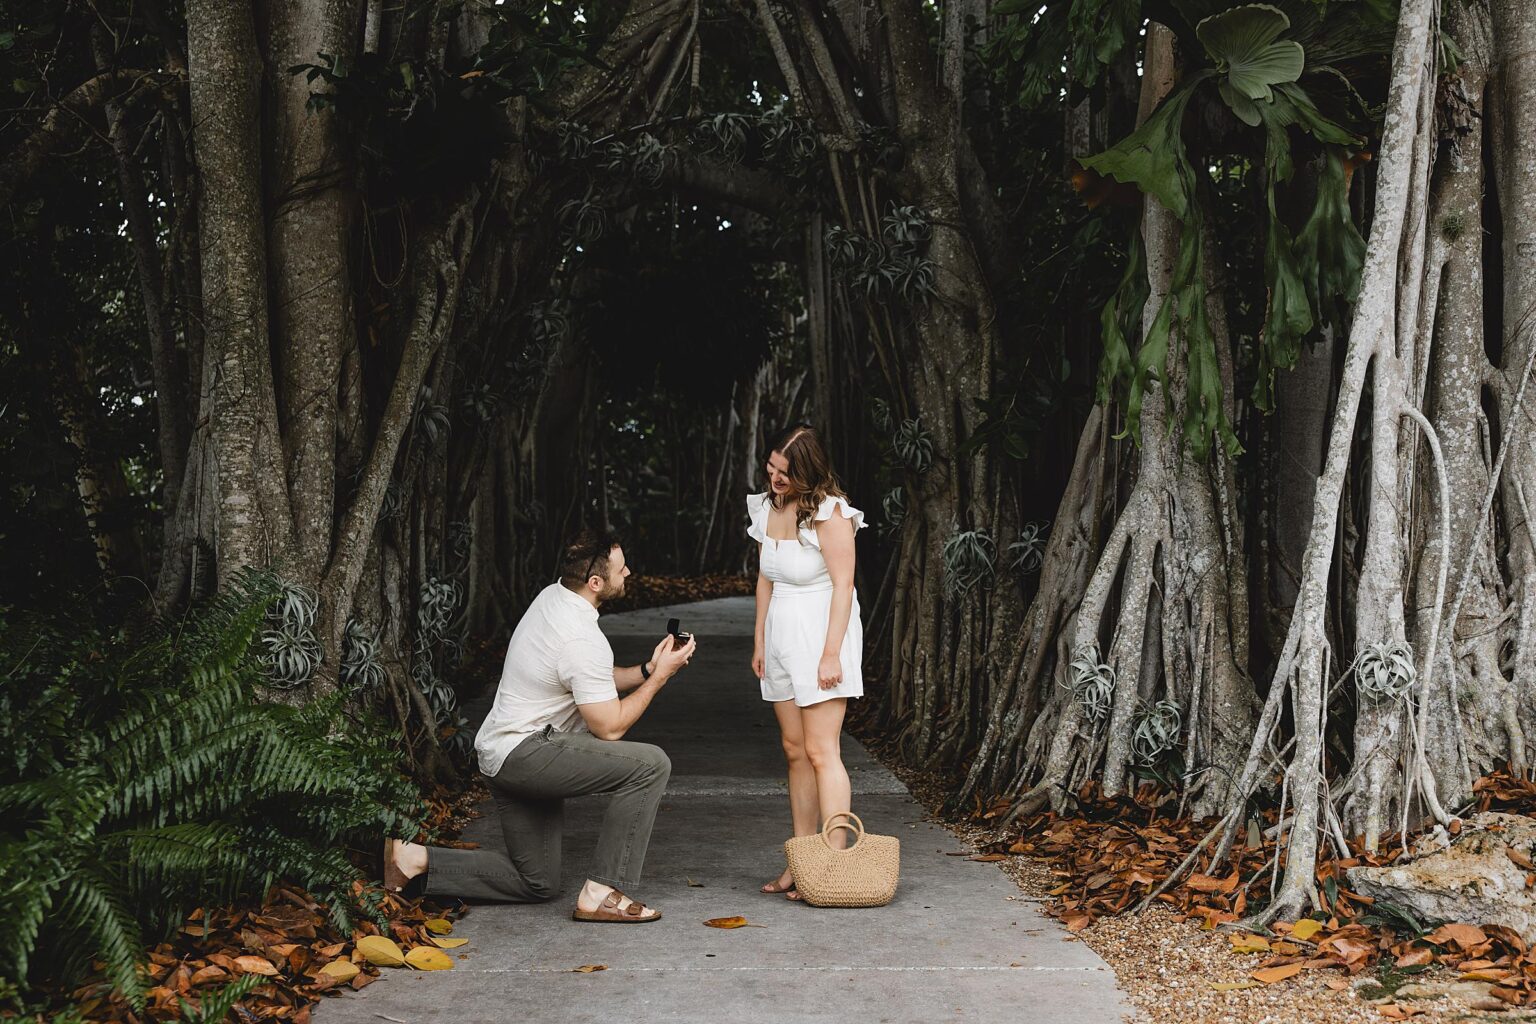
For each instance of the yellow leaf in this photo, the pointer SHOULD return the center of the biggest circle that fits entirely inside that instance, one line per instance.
(449, 943)
(589, 968)
(1234, 986)
(341, 970)
(1270, 975)
(727, 922)
(1250, 944)
(1305, 929)
(1285, 948)
(425, 958)
(255, 965)
(439, 926)
(380, 952)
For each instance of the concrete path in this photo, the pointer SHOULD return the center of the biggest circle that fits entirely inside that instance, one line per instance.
(953, 946)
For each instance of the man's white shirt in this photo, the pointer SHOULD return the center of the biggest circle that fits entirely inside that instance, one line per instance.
(558, 659)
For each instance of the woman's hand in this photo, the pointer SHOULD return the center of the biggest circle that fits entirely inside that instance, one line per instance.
(759, 662)
(829, 671)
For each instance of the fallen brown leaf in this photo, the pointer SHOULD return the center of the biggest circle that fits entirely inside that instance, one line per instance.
(255, 965)
(1270, 975)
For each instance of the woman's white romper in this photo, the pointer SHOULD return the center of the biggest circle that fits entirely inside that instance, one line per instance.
(795, 631)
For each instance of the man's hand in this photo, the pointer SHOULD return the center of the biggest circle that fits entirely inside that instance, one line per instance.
(829, 672)
(666, 660)
(611, 719)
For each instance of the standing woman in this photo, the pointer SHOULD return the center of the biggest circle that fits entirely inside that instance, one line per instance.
(808, 644)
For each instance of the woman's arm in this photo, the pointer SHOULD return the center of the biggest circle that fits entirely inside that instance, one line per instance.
(836, 536)
(764, 594)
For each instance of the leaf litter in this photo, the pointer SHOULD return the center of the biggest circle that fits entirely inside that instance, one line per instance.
(1353, 961)
(290, 941)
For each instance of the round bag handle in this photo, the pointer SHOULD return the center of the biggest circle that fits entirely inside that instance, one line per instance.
(857, 828)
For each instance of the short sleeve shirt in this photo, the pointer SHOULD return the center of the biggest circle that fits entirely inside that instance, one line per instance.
(557, 660)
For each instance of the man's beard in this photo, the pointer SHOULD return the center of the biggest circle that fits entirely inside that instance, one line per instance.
(609, 593)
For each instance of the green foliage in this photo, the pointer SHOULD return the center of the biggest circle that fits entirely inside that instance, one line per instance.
(292, 651)
(1386, 914)
(1027, 554)
(890, 266)
(141, 778)
(1088, 34)
(1092, 682)
(913, 445)
(1310, 275)
(428, 130)
(1246, 47)
(1155, 731)
(214, 1006)
(970, 557)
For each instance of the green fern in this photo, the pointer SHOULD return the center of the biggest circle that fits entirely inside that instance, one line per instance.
(142, 777)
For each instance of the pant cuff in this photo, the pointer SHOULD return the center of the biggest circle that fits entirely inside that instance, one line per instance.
(613, 883)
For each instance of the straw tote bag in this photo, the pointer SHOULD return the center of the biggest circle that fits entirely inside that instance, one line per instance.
(863, 875)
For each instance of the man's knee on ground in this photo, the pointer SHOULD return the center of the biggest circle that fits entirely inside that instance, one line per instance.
(542, 889)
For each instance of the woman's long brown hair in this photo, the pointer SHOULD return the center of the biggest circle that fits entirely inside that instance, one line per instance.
(810, 472)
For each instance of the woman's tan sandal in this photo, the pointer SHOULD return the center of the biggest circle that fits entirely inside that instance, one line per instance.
(609, 911)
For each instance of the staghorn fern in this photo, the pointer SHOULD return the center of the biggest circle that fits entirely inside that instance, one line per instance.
(143, 778)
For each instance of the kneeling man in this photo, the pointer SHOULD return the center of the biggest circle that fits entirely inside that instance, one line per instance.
(555, 731)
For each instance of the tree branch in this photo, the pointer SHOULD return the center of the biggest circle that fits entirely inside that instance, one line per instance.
(65, 125)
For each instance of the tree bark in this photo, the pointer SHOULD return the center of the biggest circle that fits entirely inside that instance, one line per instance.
(224, 67)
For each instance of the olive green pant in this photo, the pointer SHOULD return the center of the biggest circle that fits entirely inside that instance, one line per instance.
(530, 791)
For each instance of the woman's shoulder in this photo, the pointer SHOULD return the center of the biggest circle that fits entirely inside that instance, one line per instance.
(837, 504)
(757, 516)
(831, 505)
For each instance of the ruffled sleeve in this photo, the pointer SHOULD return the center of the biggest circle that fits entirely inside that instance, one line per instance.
(828, 507)
(757, 516)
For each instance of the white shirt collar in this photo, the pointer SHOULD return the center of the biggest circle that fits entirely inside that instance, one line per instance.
(578, 599)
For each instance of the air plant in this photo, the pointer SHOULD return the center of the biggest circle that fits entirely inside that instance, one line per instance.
(969, 560)
(291, 650)
(1027, 554)
(894, 505)
(1155, 731)
(913, 445)
(1093, 682)
(1385, 670)
(360, 668)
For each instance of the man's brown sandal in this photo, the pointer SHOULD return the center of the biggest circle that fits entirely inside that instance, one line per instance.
(394, 878)
(609, 911)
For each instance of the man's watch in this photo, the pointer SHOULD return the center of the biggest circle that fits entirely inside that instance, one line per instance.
(645, 673)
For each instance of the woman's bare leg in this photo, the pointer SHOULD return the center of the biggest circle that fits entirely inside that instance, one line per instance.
(822, 725)
(803, 804)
